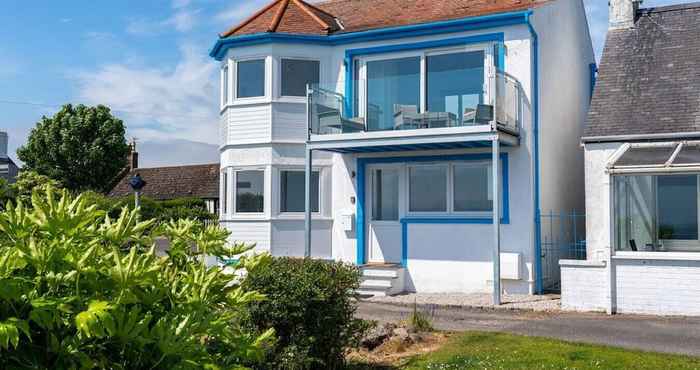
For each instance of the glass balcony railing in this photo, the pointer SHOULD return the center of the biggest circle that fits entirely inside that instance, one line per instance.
(391, 104)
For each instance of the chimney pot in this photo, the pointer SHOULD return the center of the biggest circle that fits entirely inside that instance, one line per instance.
(623, 13)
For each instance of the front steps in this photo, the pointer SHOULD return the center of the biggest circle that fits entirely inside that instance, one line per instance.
(381, 280)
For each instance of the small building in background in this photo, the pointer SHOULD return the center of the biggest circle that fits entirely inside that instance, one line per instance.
(166, 183)
(8, 168)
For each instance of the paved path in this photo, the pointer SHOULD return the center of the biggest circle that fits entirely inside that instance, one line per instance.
(670, 335)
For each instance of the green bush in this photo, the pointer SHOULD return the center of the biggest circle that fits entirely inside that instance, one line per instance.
(79, 289)
(311, 307)
(161, 211)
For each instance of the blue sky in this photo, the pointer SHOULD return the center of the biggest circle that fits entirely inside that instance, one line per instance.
(145, 59)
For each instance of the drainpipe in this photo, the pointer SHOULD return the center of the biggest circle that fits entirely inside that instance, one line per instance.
(534, 55)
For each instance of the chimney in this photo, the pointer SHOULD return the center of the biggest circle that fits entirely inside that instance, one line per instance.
(623, 13)
(3, 144)
(133, 155)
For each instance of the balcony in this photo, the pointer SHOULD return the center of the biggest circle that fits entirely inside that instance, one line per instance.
(391, 108)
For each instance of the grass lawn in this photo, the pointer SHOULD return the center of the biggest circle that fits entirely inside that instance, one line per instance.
(504, 351)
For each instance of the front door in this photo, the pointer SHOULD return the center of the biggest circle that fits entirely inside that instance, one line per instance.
(384, 226)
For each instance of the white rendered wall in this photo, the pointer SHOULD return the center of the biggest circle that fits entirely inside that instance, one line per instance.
(566, 53)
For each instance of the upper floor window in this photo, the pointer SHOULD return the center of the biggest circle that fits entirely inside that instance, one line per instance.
(296, 74)
(250, 79)
(224, 85)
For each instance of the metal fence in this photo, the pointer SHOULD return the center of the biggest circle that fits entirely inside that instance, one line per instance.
(563, 236)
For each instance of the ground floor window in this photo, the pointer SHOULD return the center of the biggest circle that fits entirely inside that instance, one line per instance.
(250, 190)
(292, 191)
(460, 188)
(657, 212)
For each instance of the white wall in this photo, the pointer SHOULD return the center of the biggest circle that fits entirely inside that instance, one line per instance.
(566, 53)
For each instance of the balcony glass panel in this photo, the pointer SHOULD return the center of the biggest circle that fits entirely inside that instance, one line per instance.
(455, 86)
(391, 85)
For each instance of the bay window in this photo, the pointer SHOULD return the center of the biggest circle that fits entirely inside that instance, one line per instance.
(297, 74)
(250, 190)
(224, 85)
(250, 78)
(292, 191)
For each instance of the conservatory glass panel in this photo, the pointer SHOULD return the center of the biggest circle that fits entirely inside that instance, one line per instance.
(650, 156)
(689, 154)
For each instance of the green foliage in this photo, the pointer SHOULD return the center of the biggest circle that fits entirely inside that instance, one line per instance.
(419, 321)
(311, 308)
(81, 289)
(81, 147)
(161, 211)
(6, 193)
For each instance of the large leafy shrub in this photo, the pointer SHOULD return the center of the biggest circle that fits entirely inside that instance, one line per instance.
(79, 289)
(311, 307)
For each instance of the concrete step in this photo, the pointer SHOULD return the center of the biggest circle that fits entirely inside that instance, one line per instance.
(377, 283)
(372, 293)
(390, 273)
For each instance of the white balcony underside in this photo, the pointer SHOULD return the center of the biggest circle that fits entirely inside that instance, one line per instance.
(435, 138)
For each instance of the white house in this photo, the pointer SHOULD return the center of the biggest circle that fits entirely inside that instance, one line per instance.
(8, 168)
(642, 157)
(407, 103)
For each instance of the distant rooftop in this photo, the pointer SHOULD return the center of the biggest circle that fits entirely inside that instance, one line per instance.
(341, 16)
(649, 80)
(163, 183)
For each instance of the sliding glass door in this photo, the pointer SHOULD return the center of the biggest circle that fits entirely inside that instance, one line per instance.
(455, 85)
(392, 85)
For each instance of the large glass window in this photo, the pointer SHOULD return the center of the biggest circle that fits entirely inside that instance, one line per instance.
(250, 190)
(393, 86)
(427, 188)
(473, 188)
(250, 79)
(385, 195)
(455, 84)
(293, 191)
(296, 74)
(656, 213)
(678, 207)
(224, 195)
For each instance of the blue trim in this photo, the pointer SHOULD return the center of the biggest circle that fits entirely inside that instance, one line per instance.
(539, 286)
(351, 54)
(594, 71)
(465, 24)
(361, 198)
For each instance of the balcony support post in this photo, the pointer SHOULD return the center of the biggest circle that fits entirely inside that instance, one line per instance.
(307, 203)
(496, 222)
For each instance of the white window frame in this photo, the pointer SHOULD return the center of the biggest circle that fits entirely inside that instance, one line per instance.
(489, 70)
(234, 192)
(278, 191)
(266, 82)
(225, 83)
(281, 77)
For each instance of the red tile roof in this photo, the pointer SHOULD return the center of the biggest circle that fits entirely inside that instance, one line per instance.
(337, 16)
(163, 183)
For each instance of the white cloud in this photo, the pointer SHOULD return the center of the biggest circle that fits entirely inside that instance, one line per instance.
(184, 19)
(177, 4)
(160, 103)
(234, 14)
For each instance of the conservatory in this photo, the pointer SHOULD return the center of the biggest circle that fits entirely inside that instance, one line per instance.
(655, 197)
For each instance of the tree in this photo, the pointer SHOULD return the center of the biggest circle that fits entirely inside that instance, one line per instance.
(82, 147)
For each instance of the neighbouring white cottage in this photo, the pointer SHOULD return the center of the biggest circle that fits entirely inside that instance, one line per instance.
(398, 108)
(642, 153)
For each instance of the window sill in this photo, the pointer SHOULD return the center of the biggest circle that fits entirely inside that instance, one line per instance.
(300, 217)
(659, 256)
